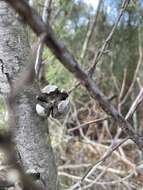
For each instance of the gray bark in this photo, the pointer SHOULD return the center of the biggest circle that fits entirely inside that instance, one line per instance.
(30, 132)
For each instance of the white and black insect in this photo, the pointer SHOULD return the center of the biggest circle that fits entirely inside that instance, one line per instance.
(52, 101)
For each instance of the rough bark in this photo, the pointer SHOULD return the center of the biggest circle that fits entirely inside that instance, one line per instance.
(30, 132)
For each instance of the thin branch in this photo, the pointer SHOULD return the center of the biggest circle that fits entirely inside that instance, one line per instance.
(88, 123)
(123, 84)
(73, 177)
(45, 18)
(90, 32)
(38, 62)
(79, 166)
(93, 145)
(122, 89)
(135, 104)
(114, 78)
(140, 49)
(47, 10)
(139, 83)
(74, 87)
(109, 37)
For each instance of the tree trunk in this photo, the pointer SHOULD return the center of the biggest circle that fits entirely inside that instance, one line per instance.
(30, 132)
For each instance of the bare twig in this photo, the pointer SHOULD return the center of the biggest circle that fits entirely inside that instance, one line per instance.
(45, 17)
(74, 87)
(38, 62)
(137, 69)
(114, 78)
(47, 10)
(79, 166)
(122, 89)
(109, 37)
(98, 146)
(90, 32)
(73, 177)
(88, 123)
(135, 104)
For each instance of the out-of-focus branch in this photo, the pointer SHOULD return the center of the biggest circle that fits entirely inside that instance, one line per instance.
(122, 89)
(88, 123)
(68, 60)
(99, 54)
(45, 17)
(140, 49)
(135, 104)
(90, 32)
(47, 10)
(38, 62)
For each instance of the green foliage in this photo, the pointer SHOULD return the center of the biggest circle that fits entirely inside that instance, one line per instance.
(71, 27)
(56, 73)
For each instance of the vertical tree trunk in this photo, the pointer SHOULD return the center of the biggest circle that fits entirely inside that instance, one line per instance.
(30, 132)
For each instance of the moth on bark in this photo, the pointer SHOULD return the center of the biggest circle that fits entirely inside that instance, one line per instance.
(52, 101)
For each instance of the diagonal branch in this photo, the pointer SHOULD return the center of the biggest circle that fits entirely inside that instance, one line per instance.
(45, 17)
(109, 37)
(68, 60)
(90, 32)
(140, 49)
(135, 104)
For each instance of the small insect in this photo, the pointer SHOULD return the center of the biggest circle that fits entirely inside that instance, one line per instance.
(52, 101)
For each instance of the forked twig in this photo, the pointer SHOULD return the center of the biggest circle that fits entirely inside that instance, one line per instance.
(90, 32)
(109, 37)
